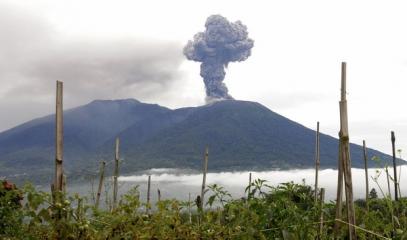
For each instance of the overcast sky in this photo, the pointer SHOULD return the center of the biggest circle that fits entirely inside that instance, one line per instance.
(133, 49)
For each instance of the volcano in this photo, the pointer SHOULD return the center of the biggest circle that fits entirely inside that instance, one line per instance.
(241, 135)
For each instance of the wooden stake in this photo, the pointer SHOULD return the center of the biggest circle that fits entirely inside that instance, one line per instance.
(159, 194)
(366, 175)
(391, 202)
(339, 193)
(317, 162)
(148, 194)
(101, 178)
(205, 170)
(58, 187)
(388, 181)
(116, 173)
(393, 140)
(250, 183)
(59, 141)
(321, 216)
(347, 170)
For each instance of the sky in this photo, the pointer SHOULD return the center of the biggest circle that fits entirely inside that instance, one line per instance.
(133, 49)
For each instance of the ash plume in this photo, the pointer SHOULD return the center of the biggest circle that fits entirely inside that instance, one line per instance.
(222, 42)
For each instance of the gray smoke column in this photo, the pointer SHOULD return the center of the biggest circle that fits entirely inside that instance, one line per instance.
(222, 42)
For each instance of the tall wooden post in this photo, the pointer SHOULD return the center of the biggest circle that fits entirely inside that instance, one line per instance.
(250, 185)
(148, 194)
(205, 170)
(345, 152)
(116, 173)
(393, 141)
(388, 181)
(391, 202)
(102, 176)
(366, 175)
(59, 141)
(317, 163)
(339, 192)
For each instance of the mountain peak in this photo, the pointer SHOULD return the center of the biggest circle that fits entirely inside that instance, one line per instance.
(233, 102)
(120, 101)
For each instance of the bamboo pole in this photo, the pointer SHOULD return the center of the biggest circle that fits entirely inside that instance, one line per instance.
(249, 188)
(317, 162)
(148, 194)
(116, 173)
(321, 216)
(388, 182)
(366, 175)
(205, 170)
(346, 156)
(339, 193)
(59, 141)
(102, 176)
(391, 202)
(58, 187)
(393, 140)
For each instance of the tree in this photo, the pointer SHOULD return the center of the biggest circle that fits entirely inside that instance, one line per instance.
(373, 194)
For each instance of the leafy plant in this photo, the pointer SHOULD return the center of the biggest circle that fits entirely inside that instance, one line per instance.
(286, 211)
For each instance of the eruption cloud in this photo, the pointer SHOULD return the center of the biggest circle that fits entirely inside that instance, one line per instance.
(222, 42)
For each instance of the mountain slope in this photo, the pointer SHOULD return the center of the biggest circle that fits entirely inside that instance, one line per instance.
(240, 135)
(29, 148)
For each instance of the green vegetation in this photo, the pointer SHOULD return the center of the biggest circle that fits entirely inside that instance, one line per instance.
(287, 211)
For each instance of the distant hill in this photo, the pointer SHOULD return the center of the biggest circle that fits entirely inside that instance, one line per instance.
(241, 135)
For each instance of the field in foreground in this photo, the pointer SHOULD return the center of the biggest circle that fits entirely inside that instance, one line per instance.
(287, 211)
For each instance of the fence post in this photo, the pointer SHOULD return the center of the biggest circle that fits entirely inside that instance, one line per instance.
(393, 140)
(250, 185)
(116, 173)
(317, 162)
(148, 195)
